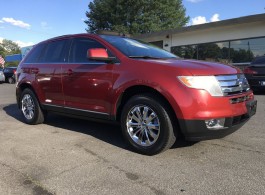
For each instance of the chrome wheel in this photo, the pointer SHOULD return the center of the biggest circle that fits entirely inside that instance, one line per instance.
(28, 106)
(143, 125)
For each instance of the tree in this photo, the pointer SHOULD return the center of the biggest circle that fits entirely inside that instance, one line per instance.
(9, 47)
(135, 16)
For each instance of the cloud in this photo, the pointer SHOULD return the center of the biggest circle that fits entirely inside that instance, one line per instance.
(201, 19)
(45, 26)
(198, 20)
(18, 23)
(1, 39)
(215, 18)
(194, 1)
(24, 44)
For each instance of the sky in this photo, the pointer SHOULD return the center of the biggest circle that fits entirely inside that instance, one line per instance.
(28, 22)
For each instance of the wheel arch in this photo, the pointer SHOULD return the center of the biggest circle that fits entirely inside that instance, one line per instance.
(142, 89)
(21, 88)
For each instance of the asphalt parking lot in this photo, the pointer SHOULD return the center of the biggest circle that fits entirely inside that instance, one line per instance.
(71, 156)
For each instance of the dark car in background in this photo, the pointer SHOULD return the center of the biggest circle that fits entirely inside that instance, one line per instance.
(10, 74)
(255, 74)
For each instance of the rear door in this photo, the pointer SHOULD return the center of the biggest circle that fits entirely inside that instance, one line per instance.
(86, 83)
(49, 72)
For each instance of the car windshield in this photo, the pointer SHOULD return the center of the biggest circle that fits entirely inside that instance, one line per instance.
(137, 49)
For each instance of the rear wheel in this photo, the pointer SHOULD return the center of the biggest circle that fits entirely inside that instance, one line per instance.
(146, 124)
(30, 108)
(11, 80)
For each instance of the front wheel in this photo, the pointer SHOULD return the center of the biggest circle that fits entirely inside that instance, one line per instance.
(30, 108)
(146, 124)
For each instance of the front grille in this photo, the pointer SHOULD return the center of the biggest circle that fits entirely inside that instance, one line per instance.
(240, 99)
(233, 84)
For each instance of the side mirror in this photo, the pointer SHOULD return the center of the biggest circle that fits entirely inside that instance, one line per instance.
(99, 54)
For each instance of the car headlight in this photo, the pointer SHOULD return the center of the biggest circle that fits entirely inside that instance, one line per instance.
(208, 83)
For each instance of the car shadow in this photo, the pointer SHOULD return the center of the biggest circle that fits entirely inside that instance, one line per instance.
(259, 92)
(107, 132)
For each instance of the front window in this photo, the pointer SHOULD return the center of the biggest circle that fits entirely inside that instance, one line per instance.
(137, 49)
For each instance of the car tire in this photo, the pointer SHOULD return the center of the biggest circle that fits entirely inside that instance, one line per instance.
(147, 124)
(30, 108)
(11, 80)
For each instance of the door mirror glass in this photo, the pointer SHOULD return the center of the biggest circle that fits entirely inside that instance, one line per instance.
(99, 54)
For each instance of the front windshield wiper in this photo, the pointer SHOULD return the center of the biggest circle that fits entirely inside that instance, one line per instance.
(147, 57)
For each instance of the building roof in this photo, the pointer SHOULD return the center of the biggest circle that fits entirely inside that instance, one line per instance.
(229, 22)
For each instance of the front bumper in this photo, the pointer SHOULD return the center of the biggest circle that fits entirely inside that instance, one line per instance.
(196, 130)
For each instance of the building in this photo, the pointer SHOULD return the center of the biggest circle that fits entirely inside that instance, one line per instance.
(236, 41)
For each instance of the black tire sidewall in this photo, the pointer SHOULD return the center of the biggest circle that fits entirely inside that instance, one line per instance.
(166, 128)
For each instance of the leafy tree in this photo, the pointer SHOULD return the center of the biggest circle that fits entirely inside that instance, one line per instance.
(241, 55)
(8, 47)
(135, 16)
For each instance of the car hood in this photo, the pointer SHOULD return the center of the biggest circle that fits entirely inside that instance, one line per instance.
(197, 67)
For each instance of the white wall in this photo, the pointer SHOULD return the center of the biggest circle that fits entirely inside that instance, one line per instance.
(242, 31)
(213, 34)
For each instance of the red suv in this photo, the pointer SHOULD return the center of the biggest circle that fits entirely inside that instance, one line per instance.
(153, 94)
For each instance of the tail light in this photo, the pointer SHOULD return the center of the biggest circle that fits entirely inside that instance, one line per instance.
(14, 71)
(248, 70)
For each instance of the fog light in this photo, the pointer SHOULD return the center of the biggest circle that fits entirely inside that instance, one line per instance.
(217, 123)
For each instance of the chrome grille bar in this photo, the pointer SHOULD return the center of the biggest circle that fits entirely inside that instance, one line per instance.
(233, 84)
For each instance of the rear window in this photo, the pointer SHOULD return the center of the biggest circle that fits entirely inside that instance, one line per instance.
(54, 52)
(51, 52)
(34, 55)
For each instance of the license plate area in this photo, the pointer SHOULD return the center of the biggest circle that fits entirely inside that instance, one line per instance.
(251, 107)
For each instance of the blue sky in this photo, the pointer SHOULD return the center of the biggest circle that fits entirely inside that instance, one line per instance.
(28, 22)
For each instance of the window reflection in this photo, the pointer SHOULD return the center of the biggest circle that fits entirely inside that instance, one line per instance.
(232, 52)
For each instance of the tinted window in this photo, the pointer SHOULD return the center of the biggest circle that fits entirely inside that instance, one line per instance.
(34, 55)
(54, 52)
(79, 49)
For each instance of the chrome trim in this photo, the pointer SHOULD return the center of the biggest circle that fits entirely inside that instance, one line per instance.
(59, 63)
(86, 110)
(77, 109)
(143, 125)
(233, 84)
(28, 107)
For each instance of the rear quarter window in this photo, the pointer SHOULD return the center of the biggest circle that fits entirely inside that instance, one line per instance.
(34, 55)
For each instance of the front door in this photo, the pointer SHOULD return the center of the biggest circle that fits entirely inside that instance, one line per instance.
(86, 84)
